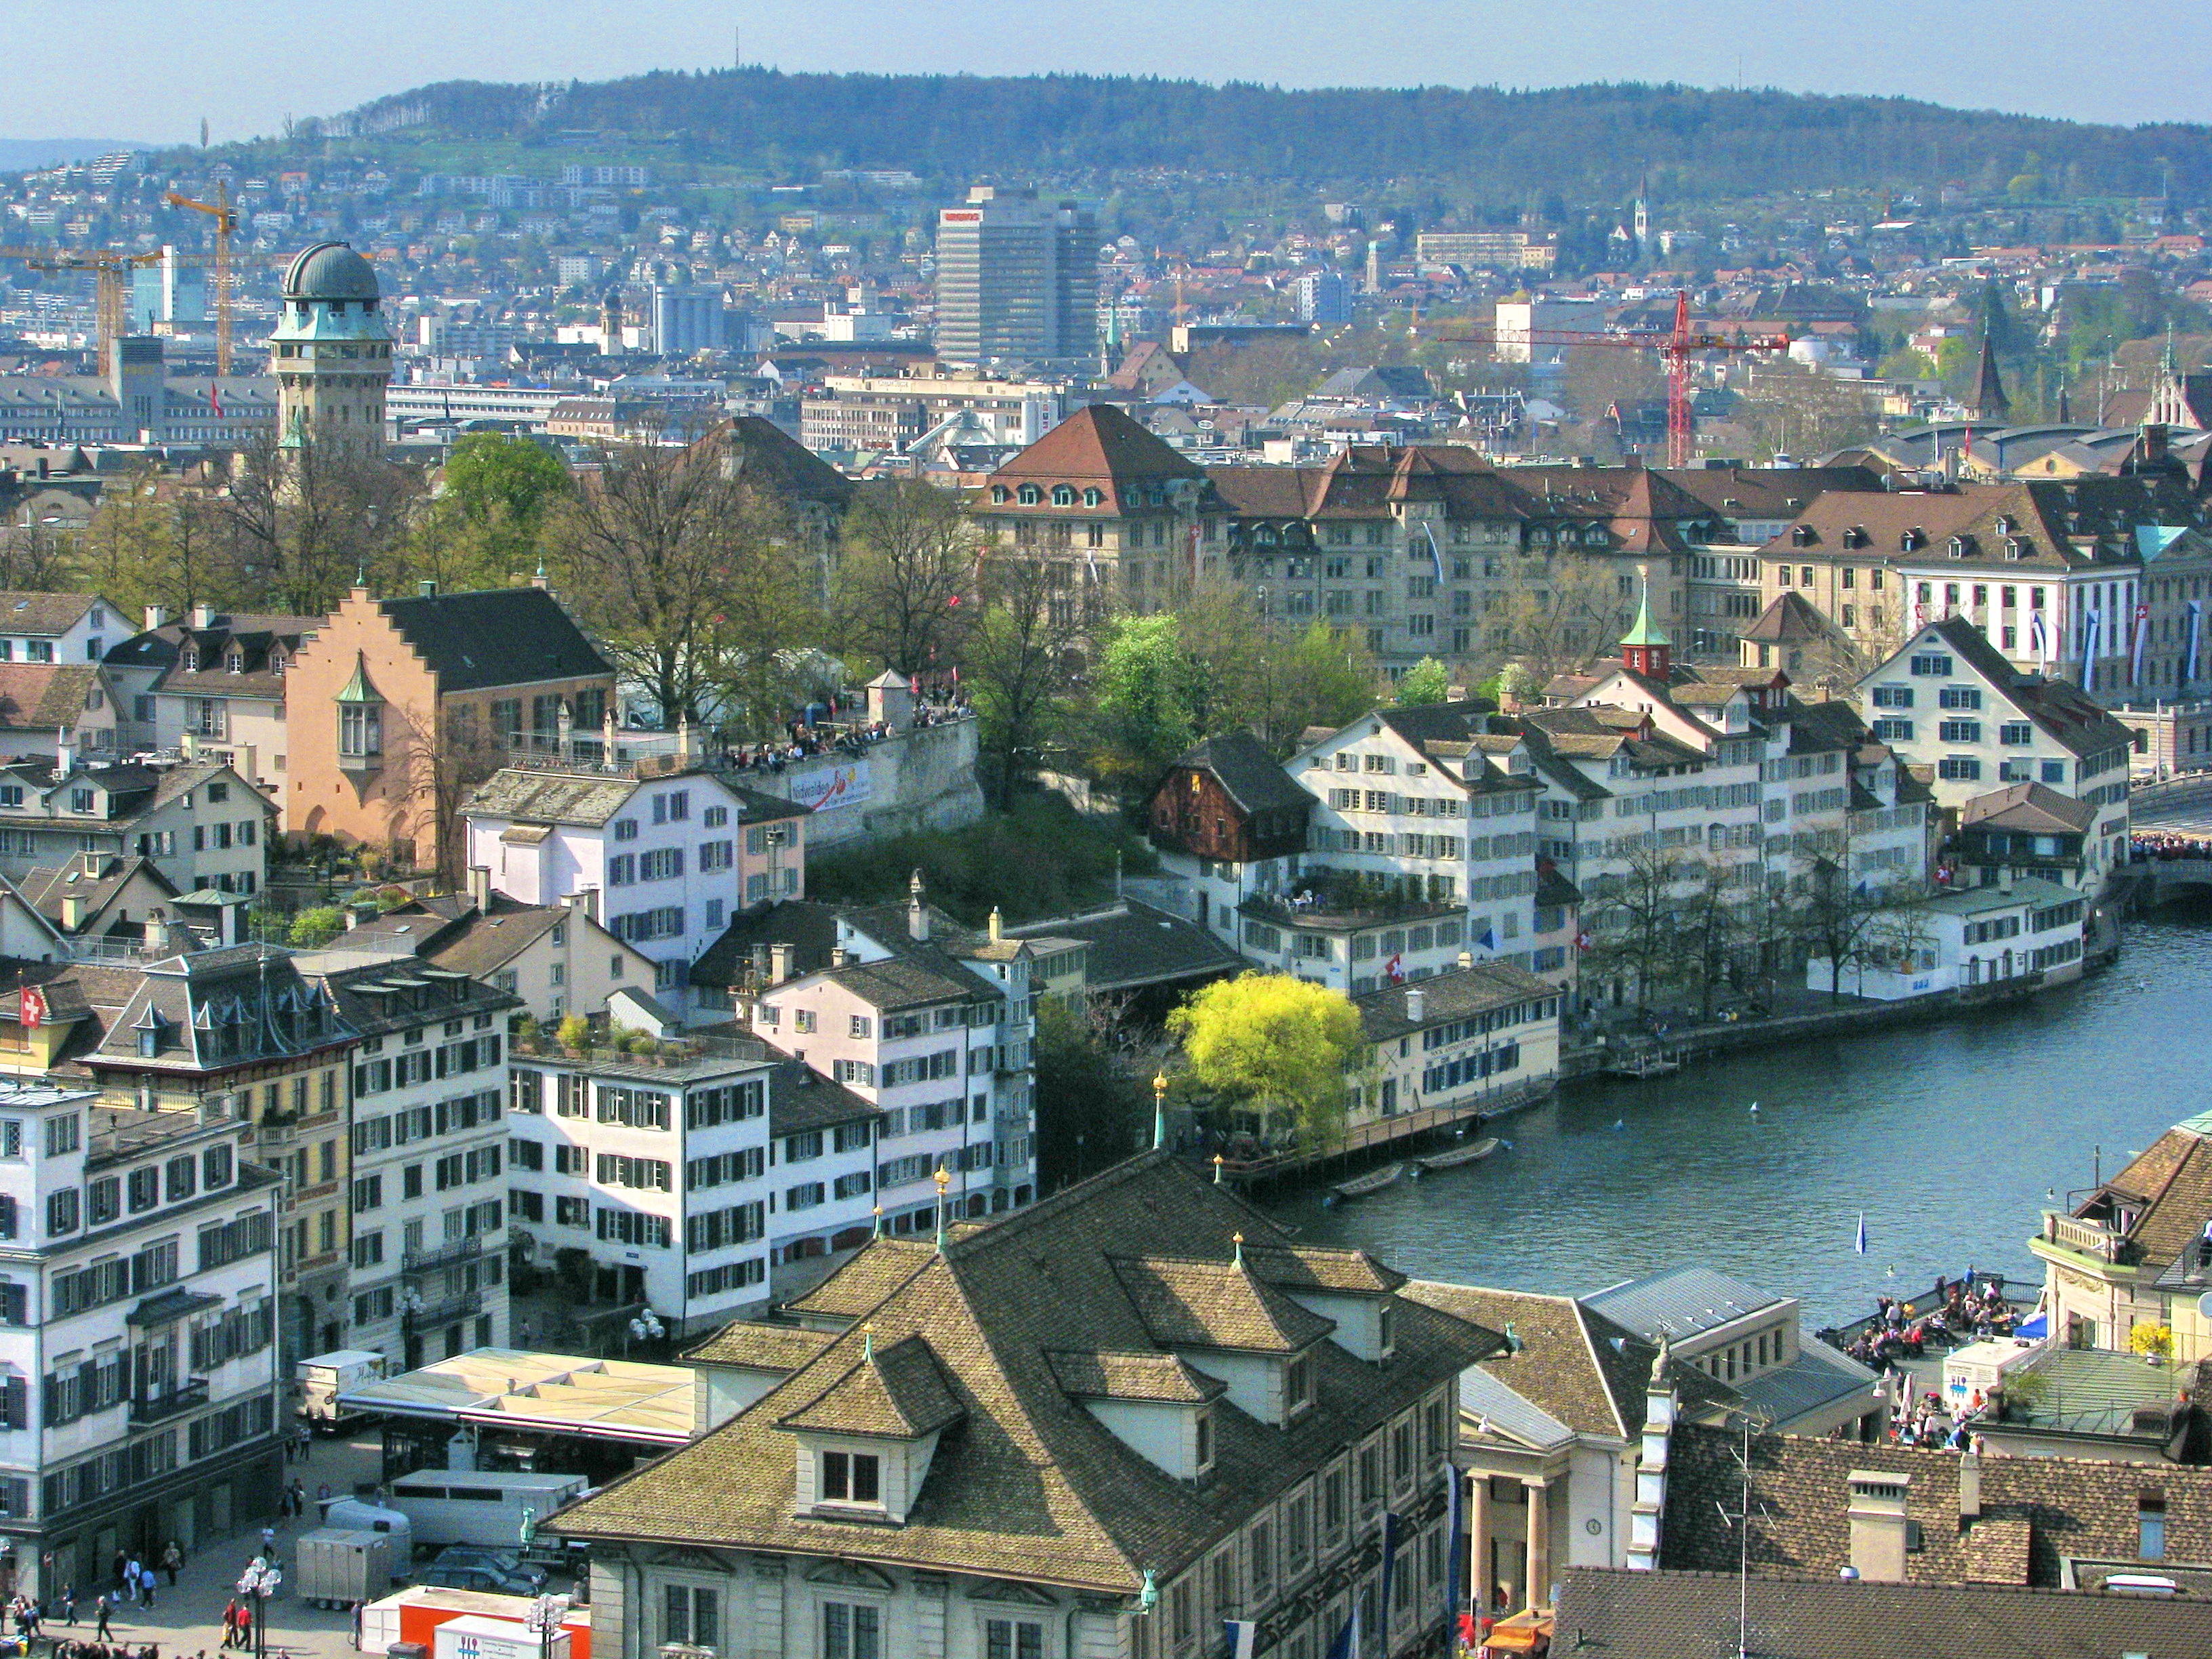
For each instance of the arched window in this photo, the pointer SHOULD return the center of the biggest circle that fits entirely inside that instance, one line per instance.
(1000, 494)
(1063, 494)
(1030, 495)
(1094, 496)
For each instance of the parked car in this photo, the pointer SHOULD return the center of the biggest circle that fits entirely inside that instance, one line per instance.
(491, 1560)
(490, 1580)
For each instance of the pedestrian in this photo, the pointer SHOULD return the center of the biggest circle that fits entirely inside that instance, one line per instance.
(230, 1623)
(268, 1540)
(306, 1444)
(106, 1611)
(69, 1604)
(116, 1573)
(150, 1583)
(130, 1578)
(299, 1496)
(172, 1559)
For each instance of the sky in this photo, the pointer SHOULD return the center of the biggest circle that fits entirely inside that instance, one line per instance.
(149, 70)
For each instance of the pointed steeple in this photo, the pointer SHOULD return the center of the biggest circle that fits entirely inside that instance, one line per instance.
(1645, 649)
(1990, 403)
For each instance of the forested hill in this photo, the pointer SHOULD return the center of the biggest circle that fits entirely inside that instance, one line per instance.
(1583, 142)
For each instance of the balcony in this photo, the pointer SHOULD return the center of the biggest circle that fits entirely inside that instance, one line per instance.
(443, 1312)
(2087, 1238)
(444, 1256)
(160, 1407)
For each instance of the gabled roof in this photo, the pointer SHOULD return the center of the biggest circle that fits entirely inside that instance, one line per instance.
(2064, 711)
(1252, 777)
(500, 636)
(1790, 619)
(1132, 943)
(46, 887)
(2030, 806)
(2168, 1187)
(1159, 1378)
(44, 613)
(1679, 1302)
(1453, 994)
(1193, 1303)
(758, 1346)
(39, 697)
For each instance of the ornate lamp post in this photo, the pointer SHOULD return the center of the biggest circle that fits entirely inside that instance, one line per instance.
(258, 1583)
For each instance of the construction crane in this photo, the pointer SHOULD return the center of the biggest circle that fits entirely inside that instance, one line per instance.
(108, 266)
(226, 221)
(1675, 347)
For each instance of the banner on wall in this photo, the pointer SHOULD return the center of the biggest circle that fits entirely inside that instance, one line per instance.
(825, 789)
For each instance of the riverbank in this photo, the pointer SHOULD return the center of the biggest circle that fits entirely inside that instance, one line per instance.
(1949, 1133)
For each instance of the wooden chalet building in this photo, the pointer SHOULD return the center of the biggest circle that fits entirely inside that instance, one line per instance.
(1230, 820)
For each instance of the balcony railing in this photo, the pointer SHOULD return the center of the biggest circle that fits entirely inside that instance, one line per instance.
(443, 1312)
(444, 1256)
(2087, 1238)
(159, 1407)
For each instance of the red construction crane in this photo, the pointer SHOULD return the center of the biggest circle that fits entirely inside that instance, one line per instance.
(1675, 347)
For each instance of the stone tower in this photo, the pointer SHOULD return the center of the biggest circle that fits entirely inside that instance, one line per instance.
(332, 353)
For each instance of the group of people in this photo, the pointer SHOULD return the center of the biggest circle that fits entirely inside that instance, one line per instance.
(2158, 846)
(1900, 1332)
(1927, 1422)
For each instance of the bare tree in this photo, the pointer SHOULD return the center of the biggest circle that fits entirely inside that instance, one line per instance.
(301, 525)
(1634, 916)
(1021, 661)
(685, 571)
(1559, 617)
(901, 594)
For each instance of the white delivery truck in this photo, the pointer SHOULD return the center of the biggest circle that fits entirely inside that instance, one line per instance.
(325, 1378)
(479, 1506)
(336, 1567)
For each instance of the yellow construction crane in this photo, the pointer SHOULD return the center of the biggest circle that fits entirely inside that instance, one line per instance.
(108, 266)
(226, 221)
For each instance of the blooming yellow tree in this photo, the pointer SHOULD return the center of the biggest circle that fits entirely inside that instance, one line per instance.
(1276, 1045)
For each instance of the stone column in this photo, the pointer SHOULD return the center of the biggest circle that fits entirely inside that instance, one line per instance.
(1478, 1542)
(1540, 1539)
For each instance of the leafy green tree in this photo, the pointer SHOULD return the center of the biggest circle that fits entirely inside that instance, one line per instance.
(1143, 680)
(1092, 1109)
(494, 475)
(1427, 681)
(317, 925)
(1276, 1045)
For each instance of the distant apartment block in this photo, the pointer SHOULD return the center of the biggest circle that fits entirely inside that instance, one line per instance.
(1017, 279)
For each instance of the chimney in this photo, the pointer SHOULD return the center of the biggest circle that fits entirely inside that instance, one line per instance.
(760, 963)
(586, 901)
(72, 912)
(480, 887)
(998, 927)
(917, 912)
(203, 618)
(1466, 959)
(65, 752)
(427, 588)
(1417, 1004)
(839, 956)
(1878, 1524)
(778, 957)
(157, 616)
(1970, 1489)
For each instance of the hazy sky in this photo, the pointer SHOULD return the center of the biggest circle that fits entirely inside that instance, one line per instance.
(148, 70)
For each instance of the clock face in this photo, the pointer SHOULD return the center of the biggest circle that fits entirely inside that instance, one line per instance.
(1593, 1526)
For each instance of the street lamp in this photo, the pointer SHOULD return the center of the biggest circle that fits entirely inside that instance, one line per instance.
(259, 1583)
(543, 1621)
(647, 1329)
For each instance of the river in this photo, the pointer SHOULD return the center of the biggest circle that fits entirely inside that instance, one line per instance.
(1947, 1136)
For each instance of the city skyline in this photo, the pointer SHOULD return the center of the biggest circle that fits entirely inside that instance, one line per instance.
(155, 87)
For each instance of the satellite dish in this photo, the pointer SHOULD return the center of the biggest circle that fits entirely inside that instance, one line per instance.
(2204, 1305)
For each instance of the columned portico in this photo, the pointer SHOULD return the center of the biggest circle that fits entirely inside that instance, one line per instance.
(1536, 1494)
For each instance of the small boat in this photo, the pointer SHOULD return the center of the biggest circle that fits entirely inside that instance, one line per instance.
(1459, 1155)
(1373, 1181)
(1647, 1066)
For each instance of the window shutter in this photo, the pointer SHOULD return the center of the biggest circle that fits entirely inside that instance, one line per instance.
(18, 1402)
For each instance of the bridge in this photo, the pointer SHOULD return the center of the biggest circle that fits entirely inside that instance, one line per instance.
(2158, 881)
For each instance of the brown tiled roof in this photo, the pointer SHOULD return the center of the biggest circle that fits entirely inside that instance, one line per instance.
(2064, 711)
(761, 1346)
(43, 613)
(1576, 1366)
(1607, 1613)
(1997, 1551)
(2172, 1178)
(37, 695)
(2029, 806)
(865, 1282)
(1098, 444)
(1790, 619)
(1031, 1487)
(1143, 1376)
(1801, 1488)
(1316, 1267)
(894, 1391)
(1453, 994)
(1187, 1304)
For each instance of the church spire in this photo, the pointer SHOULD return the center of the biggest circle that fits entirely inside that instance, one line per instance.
(1645, 649)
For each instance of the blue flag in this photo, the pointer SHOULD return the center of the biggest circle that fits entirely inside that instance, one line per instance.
(1455, 1541)
(1489, 939)
(1389, 1572)
(1346, 1645)
(1861, 1245)
(1436, 558)
(1241, 1632)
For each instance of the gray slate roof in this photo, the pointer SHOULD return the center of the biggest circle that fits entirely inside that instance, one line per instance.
(1679, 1303)
(502, 636)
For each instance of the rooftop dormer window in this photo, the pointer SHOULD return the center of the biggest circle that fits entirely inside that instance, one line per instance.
(1030, 495)
(1297, 1385)
(852, 1478)
(234, 661)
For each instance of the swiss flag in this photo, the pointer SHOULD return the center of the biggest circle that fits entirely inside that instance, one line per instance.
(33, 1009)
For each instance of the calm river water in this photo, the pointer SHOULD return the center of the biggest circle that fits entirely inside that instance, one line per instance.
(1946, 1136)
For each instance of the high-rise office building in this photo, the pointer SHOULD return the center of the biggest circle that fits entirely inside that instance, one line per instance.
(1324, 299)
(1017, 278)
